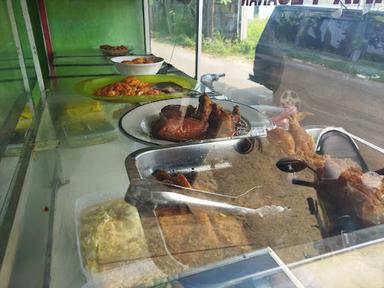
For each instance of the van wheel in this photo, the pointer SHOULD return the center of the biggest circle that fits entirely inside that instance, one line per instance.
(285, 97)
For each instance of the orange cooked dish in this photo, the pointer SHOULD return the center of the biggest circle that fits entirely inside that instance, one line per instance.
(130, 86)
(115, 48)
(141, 60)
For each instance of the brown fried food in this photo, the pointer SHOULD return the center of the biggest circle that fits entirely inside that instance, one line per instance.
(204, 109)
(236, 117)
(297, 142)
(129, 86)
(360, 200)
(182, 123)
(304, 142)
(161, 175)
(177, 111)
(283, 140)
(178, 179)
(140, 60)
(115, 48)
(221, 123)
(179, 129)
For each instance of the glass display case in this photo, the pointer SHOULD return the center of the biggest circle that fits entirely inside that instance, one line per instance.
(190, 143)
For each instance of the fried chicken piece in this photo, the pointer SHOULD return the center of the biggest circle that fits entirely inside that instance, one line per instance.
(177, 123)
(220, 123)
(179, 129)
(296, 141)
(304, 142)
(334, 167)
(205, 108)
(162, 175)
(359, 199)
(282, 139)
(236, 117)
(177, 179)
(182, 123)
(177, 111)
(181, 180)
(352, 192)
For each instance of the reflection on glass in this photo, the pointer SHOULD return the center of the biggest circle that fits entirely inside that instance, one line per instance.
(173, 32)
(15, 115)
(325, 61)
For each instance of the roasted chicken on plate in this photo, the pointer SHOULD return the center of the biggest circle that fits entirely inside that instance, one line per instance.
(180, 123)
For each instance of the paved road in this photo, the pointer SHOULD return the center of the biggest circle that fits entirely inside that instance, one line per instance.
(339, 99)
(335, 98)
(234, 85)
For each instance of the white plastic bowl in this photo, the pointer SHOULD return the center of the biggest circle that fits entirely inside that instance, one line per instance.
(137, 69)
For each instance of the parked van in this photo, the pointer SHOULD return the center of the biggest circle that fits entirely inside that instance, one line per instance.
(311, 54)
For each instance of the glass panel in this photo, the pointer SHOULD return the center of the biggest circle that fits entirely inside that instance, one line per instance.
(78, 29)
(173, 32)
(25, 46)
(199, 207)
(15, 116)
(225, 193)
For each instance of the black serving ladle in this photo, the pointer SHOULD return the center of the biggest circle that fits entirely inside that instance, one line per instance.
(169, 87)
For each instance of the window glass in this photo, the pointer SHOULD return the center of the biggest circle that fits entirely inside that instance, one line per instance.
(374, 51)
(286, 26)
(15, 115)
(173, 32)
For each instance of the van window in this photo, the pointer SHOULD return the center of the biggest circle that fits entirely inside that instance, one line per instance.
(337, 36)
(313, 32)
(375, 40)
(285, 27)
(371, 62)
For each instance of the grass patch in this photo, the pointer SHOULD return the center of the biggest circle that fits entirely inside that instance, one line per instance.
(220, 46)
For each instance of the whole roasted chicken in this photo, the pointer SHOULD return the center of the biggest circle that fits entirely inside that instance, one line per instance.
(350, 191)
(296, 141)
(180, 123)
(343, 187)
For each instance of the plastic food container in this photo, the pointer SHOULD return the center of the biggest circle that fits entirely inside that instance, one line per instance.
(113, 272)
(137, 69)
(89, 132)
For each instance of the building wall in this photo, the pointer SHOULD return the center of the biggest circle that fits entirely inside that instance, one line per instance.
(83, 25)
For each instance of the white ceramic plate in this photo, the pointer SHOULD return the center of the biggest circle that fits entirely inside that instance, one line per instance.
(137, 122)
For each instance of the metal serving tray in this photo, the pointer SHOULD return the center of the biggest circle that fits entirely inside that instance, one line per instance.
(188, 159)
(209, 157)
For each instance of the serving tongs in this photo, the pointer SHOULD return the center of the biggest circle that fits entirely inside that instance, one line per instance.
(146, 192)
